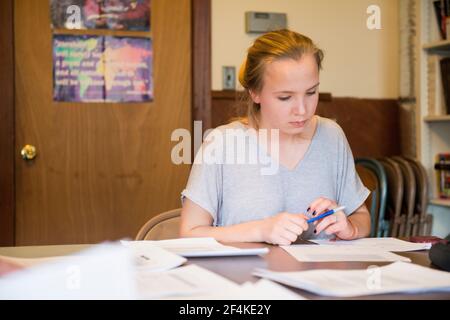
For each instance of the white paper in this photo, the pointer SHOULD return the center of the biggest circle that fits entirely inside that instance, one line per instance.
(328, 253)
(103, 272)
(196, 283)
(154, 258)
(182, 282)
(387, 244)
(266, 290)
(261, 290)
(203, 247)
(29, 262)
(398, 277)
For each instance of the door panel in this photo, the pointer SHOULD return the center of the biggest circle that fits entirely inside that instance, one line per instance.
(102, 170)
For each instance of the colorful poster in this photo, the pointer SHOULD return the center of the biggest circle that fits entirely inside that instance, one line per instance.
(102, 69)
(128, 69)
(78, 69)
(101, 14)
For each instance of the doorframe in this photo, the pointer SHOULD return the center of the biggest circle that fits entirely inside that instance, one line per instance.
(7, 127)
(201, 62)
(201, 100)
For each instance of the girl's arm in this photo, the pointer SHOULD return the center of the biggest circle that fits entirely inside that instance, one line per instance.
(356, 225)
(360, 220)
(282, 229)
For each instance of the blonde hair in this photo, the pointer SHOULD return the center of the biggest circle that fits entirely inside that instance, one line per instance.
(272, 46)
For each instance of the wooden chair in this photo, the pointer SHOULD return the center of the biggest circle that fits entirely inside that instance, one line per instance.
(423, 221)
(164, 226)
(395, 196)
(373, 176)
(409, 196)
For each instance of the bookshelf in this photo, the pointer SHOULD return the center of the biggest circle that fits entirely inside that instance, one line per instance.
(441, 202)
(432, 122)
(437, 46)
(436, 118)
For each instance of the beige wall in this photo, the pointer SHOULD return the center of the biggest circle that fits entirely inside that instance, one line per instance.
(358, 62)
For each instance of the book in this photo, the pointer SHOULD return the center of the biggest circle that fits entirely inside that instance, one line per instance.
(432, 79)
(439, 9)
(445, 77)
(442, 167)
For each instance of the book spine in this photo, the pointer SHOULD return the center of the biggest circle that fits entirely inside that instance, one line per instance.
(443, 175)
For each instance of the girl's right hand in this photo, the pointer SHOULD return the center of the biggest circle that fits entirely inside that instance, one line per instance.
(283, 228)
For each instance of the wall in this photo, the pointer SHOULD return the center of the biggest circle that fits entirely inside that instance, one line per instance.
(358, 62)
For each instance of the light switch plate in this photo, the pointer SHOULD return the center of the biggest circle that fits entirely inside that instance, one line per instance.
(228, 78)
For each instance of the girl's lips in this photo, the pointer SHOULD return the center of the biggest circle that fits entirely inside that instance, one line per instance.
(298, 124)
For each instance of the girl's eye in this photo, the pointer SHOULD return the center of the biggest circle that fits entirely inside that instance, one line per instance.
(311, 93)
(284, 98)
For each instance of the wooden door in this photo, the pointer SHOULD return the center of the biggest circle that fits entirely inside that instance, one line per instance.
(102, 169)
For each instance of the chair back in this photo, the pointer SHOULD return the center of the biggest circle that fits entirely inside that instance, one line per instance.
(395, 195)
(423, 219)
(377, 207)
(164, 226)
(409, 196)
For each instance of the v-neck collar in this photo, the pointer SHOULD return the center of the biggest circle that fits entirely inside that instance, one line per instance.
(308, 151)
(263, 151)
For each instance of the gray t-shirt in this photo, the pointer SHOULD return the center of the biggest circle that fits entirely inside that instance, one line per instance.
(234, 193)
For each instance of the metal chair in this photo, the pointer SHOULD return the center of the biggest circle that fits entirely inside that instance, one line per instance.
(379, 226)
(163, 226)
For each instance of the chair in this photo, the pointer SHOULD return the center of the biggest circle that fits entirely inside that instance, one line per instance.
(423, 220)
(377, 207)
(395, 196)
(409, 196)
(163, 226)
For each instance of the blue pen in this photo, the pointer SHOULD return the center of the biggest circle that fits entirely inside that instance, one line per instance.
(326, 214)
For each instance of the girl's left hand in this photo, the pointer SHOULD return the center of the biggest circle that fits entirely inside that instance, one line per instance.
(337, 223)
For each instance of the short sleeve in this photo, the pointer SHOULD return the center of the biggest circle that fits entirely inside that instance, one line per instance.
(204, 186)
(351, 191)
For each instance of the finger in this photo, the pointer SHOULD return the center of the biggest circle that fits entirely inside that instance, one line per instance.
(301, 220)
(325, 223)
(324, 206)
(282, 241)
(321, 205)
(314, 204)
(289, 235)
(334, 228)
(294, 228)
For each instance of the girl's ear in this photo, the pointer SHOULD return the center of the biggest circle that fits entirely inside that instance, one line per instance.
(255, 97)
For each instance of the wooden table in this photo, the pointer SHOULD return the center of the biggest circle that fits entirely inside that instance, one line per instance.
(239, 269)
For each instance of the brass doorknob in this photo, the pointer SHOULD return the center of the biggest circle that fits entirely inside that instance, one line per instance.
(28, 152)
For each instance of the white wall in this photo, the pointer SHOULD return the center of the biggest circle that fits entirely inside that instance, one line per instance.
(441, 221)
(358, 62)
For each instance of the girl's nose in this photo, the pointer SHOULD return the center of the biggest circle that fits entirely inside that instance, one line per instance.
(300, 108)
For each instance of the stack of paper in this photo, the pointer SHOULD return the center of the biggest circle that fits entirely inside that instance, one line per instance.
(29, 262)
(196, 283)
(103, 272)
(328, 253)
(265, 290)
(181, 282)
(201, 247)
(386, 244)
(396, 277)
(154, 258)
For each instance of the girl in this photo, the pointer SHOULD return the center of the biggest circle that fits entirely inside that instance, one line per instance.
(236, 202)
